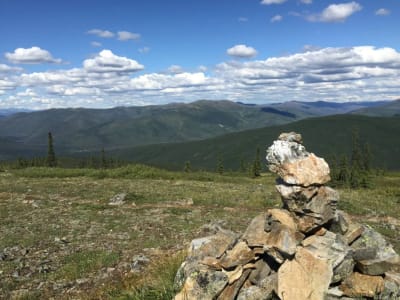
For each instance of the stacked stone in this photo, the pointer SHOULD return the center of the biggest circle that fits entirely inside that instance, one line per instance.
(306, 250)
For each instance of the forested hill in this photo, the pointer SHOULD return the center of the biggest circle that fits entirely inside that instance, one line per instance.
(328, 137)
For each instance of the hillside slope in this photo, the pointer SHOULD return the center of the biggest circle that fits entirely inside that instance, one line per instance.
(327, 136)
(388, 109)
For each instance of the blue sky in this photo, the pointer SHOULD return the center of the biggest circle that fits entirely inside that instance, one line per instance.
(112, 53)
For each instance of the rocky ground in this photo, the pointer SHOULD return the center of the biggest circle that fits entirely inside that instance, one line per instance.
(66, 238)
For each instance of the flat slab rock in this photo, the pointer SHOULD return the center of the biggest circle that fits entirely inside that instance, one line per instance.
(306, 277)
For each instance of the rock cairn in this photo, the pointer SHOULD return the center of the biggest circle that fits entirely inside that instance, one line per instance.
(306, 250)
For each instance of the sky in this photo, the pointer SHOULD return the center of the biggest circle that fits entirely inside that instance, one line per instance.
(101, 54)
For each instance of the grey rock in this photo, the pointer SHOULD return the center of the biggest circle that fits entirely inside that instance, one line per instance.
(364, 253)
(261, 271)
(331, 247)
(341, 222)
(385, 257)
(282, 151)
(203, 284)
(139, 262)
(118, 199)
(313, 206)
(343, 270)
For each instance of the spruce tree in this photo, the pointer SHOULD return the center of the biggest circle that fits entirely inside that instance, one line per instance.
(51, 157)
(257, 164)
(188, 167)
(103, 159)
(220, 165)
(367, 156)
(343, 172)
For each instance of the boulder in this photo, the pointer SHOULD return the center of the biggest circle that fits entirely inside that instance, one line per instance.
(385, 258)
(203, 284)
(360, 285)
(307, 277)
(255, 234)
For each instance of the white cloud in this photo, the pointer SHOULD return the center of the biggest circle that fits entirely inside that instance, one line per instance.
(106, 80)
(306, 1)
(243, 19)
(27, 93)
(269, 2)
(336, 12)
(175, 69)
(242, 51)
(106, 61)
(126, 36)
(96, 44)
(276, 18)
(144, 50)
(101, 33)
(202, 69)
(7, 69)
(382, 12)
(34, 55)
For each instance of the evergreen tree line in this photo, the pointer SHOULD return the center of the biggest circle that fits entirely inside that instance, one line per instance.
(102, 161)
(354, 171)
(253, 169)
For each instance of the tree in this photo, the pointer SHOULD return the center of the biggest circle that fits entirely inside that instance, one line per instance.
(367, 156)
(51, 157)
(257, 164)
(356, 158)
(187, 168)
(343, 172)
(103, 159)
(220, 165)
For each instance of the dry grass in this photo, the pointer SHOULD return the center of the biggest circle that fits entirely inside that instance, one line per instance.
(78, 246)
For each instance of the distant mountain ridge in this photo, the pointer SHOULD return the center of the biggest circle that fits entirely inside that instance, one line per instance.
(77, 130)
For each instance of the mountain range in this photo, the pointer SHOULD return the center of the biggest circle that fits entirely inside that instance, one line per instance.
(125, 130)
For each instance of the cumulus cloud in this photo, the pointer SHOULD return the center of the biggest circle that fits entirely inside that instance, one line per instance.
(7, 69)
(242, 51)
(276, 18)
(382, 12)
(106, 61)
(269, 2)
(126, 36)
(34, 55)
(331, 74)
(101, 33)
(336, 12)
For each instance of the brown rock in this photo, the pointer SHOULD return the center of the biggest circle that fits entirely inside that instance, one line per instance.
(291, 137)
(353, 232)
(359, 285)
(230, 291)
(255, 234)
(240, 254)
(283, 239)
(307, 171)
(306, 277)
(283, 217)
